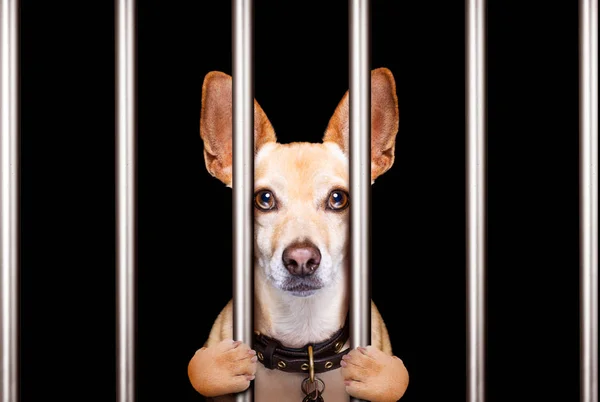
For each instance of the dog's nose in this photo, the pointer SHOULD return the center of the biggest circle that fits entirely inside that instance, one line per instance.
(301, 259)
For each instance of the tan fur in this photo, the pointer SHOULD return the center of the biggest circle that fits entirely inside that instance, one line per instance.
(301, 177)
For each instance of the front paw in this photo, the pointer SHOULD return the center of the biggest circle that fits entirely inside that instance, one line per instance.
(372, 375)
(225, 368)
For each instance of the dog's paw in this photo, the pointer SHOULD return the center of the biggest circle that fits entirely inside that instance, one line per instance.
(372, 375)
(225, 368)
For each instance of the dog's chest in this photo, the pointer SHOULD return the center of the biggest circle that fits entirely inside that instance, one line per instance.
(279, 386)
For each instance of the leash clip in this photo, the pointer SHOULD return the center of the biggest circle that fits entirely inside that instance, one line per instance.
(314, 395)
(311, 364)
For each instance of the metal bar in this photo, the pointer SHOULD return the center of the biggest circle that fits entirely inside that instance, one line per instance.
(243, 175)
(476, 189)
(9, 198)
(360, 172)
(588, 114)
(126, 197)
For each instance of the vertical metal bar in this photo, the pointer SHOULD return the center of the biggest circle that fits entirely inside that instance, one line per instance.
(588, 114)
(360, 172)
(126, 197)
(9, 198)
(243, 175)
(476, 189)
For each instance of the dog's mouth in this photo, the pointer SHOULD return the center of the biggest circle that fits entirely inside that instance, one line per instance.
(302, 287)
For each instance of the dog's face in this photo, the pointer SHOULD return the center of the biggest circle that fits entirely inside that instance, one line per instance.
(301, 194)
(301, 219)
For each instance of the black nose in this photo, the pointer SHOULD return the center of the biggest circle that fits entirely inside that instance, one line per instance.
(301, 259)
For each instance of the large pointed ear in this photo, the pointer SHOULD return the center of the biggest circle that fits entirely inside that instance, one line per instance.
(384, 122)
(216, 125)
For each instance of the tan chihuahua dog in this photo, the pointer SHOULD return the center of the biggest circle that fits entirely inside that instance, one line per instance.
(301, 262)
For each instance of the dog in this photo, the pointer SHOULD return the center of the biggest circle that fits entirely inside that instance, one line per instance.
(301, 236)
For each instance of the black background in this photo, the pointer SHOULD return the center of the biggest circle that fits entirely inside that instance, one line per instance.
(301, 72)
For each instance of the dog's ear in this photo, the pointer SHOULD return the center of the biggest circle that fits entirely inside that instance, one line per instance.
(384, 122)
(216, 125)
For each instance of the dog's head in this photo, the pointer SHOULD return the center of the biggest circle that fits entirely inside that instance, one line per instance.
(301, 194)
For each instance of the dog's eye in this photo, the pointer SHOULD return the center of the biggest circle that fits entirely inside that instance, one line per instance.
(264, 200)
(338, 200)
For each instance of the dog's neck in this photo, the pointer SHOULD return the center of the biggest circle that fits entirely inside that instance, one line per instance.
(297, 321)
